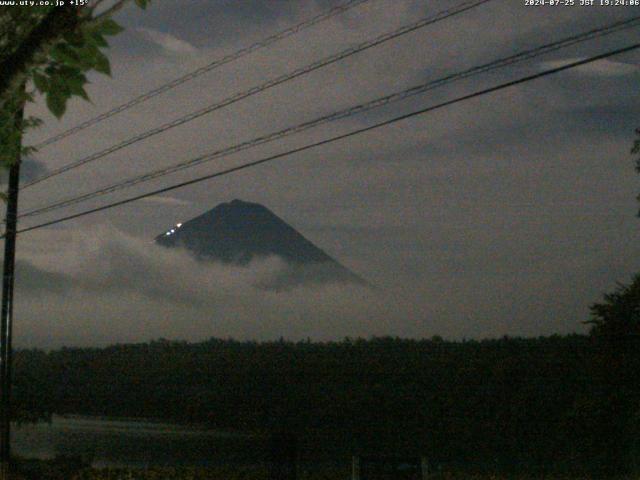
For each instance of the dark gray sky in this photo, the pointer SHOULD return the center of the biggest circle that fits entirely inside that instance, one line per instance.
(507, 214)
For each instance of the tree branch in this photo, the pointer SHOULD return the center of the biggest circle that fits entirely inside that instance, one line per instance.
(56, 23)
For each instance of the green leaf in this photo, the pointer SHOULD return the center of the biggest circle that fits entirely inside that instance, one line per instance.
(71, 73)
(97, 39)
(26, 151)
(65, 54)
(41, 82)
(74, 39)
(31, 122)
(109, 27)
(76, 86)
(58, 84)
(57, 103)
(83, 94)
(88, 56)
(142, 3)
(102, 64)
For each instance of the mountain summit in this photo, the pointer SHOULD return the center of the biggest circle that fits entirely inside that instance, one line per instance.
(239, 232)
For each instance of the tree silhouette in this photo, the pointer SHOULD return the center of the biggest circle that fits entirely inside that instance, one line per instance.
(618, 316)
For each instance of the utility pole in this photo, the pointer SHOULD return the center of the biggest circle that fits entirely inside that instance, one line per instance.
(6, 318)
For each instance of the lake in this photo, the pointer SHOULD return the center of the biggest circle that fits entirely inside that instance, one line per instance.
(131, 443)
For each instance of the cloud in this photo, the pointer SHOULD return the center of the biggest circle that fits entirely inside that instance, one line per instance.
(494, 216)
(169, 43)
(603, 68)
(112, 279)
(164, 200)
(36, 281)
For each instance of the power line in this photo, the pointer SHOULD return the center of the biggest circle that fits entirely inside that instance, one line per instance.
(376, 103)
(462, 7)
(467, 5)
(205, 69)
(336, 138)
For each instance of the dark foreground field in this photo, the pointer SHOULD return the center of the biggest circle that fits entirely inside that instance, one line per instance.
(60, 471)
(553, 407)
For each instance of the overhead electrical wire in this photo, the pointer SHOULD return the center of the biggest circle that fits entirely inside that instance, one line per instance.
(432, 19)
(205, 69)
(343, 136)
(376, 103)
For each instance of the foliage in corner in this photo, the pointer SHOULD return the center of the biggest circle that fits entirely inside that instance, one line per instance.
(78, 52)
(49, 50)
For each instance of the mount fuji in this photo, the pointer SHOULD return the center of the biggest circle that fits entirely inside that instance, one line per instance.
(239, 232)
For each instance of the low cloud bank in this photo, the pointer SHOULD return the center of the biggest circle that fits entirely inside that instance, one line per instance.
(116, 288)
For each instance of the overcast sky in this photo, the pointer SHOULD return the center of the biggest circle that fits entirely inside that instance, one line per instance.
(505, 215)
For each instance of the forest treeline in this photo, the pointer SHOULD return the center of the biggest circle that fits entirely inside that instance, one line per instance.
(559, 403)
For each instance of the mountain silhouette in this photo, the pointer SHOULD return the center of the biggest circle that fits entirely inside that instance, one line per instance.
(239, 232)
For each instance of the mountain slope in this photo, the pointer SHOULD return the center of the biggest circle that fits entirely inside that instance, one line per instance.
(239, 232)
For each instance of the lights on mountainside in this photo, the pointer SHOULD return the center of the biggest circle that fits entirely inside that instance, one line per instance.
(173, 230)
